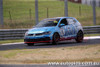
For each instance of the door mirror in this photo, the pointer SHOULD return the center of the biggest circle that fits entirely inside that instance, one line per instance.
(61, 25)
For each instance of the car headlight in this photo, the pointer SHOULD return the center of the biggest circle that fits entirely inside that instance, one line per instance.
(47, 33)
(44, 33)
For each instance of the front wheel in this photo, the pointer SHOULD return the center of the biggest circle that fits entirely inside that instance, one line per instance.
(30, 44)
(56, 38)
(79, 37)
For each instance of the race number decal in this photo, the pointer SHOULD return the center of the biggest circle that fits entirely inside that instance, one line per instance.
(62, 31)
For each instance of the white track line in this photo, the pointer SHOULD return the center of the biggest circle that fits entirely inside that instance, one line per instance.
(13, 43)
(93, 37)
(85, 38)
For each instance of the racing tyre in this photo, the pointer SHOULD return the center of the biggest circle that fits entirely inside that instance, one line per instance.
(30, 44)
(55, 39)
(79, 37)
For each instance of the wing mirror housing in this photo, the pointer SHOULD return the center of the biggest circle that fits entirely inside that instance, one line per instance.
(61, 25)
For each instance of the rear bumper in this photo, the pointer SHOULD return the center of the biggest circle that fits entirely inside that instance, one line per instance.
(39, 40)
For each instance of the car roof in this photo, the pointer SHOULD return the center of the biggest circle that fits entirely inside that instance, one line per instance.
(59, 17)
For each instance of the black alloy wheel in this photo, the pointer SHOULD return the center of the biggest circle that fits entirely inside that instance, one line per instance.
(56, 38)
(79, 37)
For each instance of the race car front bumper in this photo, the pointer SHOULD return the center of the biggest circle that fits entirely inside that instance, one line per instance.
(37, 40)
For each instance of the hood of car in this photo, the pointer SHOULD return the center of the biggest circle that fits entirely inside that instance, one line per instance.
(40, 30)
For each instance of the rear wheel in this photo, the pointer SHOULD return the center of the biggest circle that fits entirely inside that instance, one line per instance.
(30, 44)
(79, 37)
(56, 38)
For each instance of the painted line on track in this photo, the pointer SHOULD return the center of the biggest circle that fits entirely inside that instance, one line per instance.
(85, 38)
(93, 37)
(13, 43)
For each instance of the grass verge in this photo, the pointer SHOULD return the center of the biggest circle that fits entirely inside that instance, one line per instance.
(11, 41)
(21, 13)
(88, 35)
(44, 55)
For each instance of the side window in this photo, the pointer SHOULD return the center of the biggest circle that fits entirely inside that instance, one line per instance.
(64, 21)
(71, 21)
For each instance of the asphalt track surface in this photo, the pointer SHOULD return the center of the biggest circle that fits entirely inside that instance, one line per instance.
(68, 43)
(46, 45)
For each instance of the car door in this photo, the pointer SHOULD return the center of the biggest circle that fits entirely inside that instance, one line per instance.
(63, 29)
(71, 27)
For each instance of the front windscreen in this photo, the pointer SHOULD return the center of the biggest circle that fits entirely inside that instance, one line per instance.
(47, 23)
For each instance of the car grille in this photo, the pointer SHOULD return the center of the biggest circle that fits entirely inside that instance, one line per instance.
(38, 34)
(36, 40)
